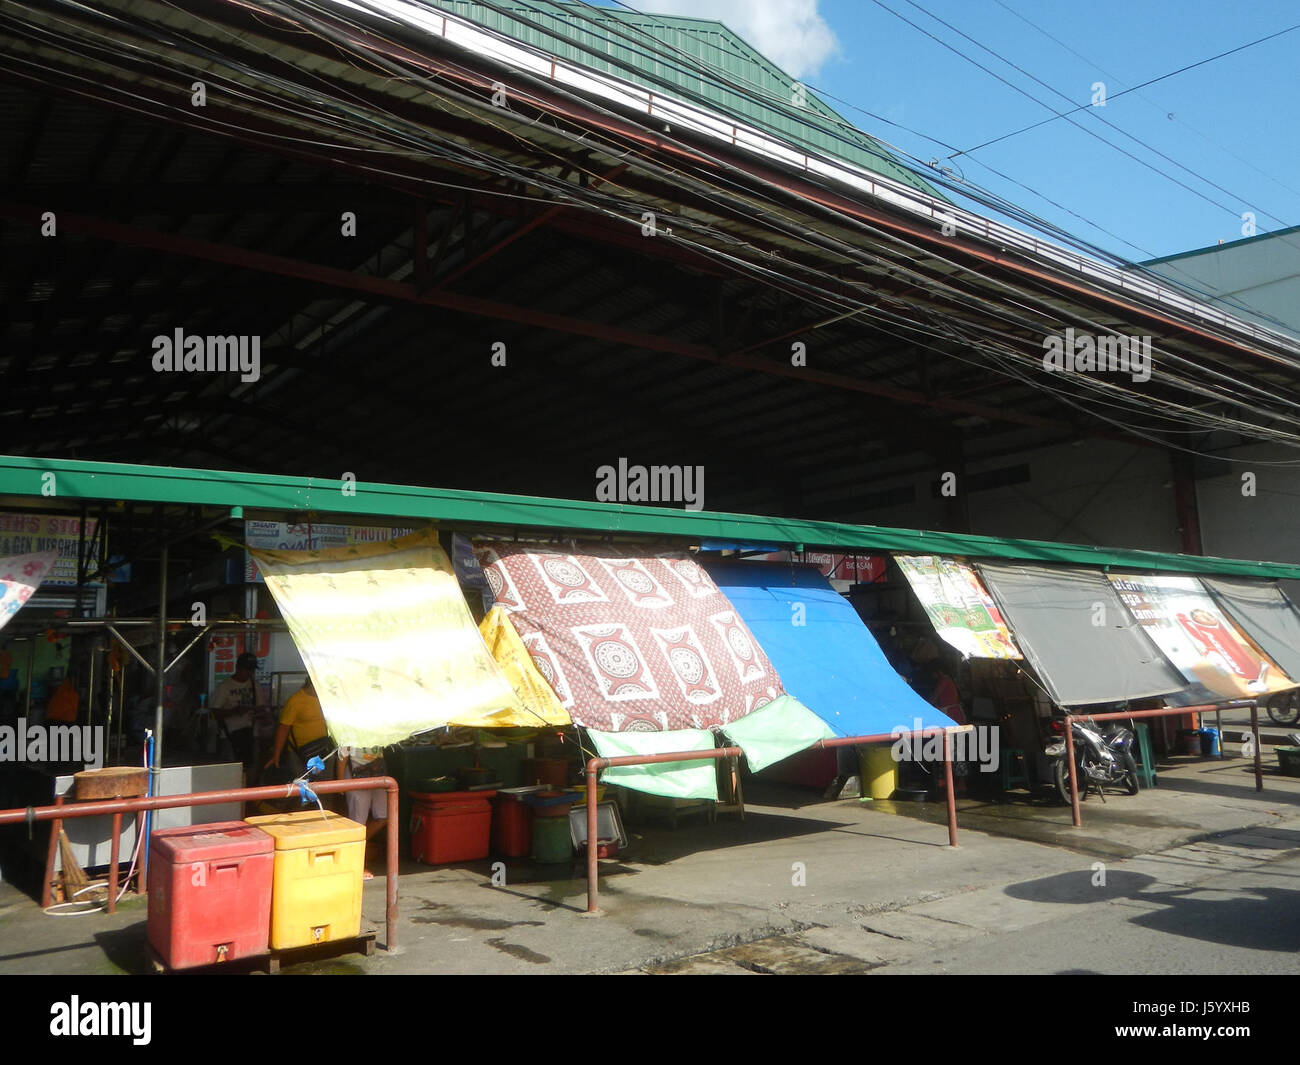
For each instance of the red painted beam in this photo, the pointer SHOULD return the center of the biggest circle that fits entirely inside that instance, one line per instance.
(379, 287)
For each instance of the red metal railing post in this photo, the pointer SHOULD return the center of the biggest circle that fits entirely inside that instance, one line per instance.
(392, 833)
(593, 876)
(1076, 814)
(952, 798)
(1254, 735)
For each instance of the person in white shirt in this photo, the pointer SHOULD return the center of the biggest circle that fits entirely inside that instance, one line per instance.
(234, 703)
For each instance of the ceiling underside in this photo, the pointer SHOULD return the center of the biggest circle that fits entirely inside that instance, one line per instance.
(525, 226)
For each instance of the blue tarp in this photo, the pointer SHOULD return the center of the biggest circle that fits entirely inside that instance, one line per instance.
(831, 663)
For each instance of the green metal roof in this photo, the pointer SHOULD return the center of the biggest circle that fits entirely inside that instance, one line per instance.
(567, 31)
(78, 481)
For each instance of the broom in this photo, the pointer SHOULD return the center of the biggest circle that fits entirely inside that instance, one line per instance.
(72, 877)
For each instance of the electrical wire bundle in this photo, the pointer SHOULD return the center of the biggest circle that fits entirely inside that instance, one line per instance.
(849, 266)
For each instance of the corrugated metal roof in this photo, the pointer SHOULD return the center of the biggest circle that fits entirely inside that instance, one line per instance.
(616, 42)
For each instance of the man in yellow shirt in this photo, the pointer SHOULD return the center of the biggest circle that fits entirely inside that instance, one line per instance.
(301, 717)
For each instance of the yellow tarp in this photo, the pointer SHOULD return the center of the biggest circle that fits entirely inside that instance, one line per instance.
(387, 638)
(541, 707)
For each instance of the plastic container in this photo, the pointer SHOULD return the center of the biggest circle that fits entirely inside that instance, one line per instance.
(552, 842)
(209, 893)
(512, 823)
(552, 771)
(1191, 740)
(1210, 742)
(451, 827)
(1288, 760)
(552, 803)
(472, 776)
(316, 888)
(879, 772)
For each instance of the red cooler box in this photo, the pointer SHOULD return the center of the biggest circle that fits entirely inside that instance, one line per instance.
(453, 826)
(209, 893)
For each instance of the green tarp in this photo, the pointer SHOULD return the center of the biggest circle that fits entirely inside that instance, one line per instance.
(676, 780)
(781, 728)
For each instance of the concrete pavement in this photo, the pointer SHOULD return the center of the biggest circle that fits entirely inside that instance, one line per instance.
(837, 887)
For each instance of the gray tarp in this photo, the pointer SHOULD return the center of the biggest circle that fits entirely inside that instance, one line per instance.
(1078, 635)
(1265, 614)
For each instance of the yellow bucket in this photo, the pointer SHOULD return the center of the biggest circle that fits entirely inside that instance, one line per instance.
(879, 771)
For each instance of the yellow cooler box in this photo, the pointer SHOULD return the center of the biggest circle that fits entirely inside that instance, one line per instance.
(316, 883)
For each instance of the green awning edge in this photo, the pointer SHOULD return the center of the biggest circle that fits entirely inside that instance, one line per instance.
(81, 481)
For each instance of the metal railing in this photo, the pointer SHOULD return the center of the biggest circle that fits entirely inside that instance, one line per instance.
(117, 807)
(595, 765)
(1167, 711)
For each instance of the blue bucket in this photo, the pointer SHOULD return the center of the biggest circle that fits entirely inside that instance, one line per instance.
(1210, 742)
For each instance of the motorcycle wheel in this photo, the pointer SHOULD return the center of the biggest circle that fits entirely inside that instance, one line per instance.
(1061, 779)
(1131, 776)
(1285, 708)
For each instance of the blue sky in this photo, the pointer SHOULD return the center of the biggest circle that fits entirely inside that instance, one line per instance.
(1231, 123)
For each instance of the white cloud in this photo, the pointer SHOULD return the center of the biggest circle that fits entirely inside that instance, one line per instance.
(791, 33)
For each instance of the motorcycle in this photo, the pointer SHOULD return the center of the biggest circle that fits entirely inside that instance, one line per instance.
(1284, 707)
(1103, 757)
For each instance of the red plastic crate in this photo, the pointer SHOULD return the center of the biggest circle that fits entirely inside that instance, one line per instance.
(209, 893)
(455, 826)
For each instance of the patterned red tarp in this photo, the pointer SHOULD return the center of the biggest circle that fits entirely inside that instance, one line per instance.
(631, 639)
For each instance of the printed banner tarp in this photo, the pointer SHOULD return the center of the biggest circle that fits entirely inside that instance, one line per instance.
(387, 638)
(1215, 657)
(677, 780)
(826, 656)
(631, 638)
(1079, 637)
(303, 536)
(20, 576)
(540, 706)
(958, 605)
(1262, 610)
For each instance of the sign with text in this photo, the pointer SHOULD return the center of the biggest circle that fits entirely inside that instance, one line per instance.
(26, 534)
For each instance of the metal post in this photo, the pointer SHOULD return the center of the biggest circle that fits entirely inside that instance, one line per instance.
(392, 832)
(160, 669)
(31, 666)
(121, 708)
(952, 798)
(1070, 768)
(90, 687)
(593, 881)
(1254, 732)
(145, 824)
